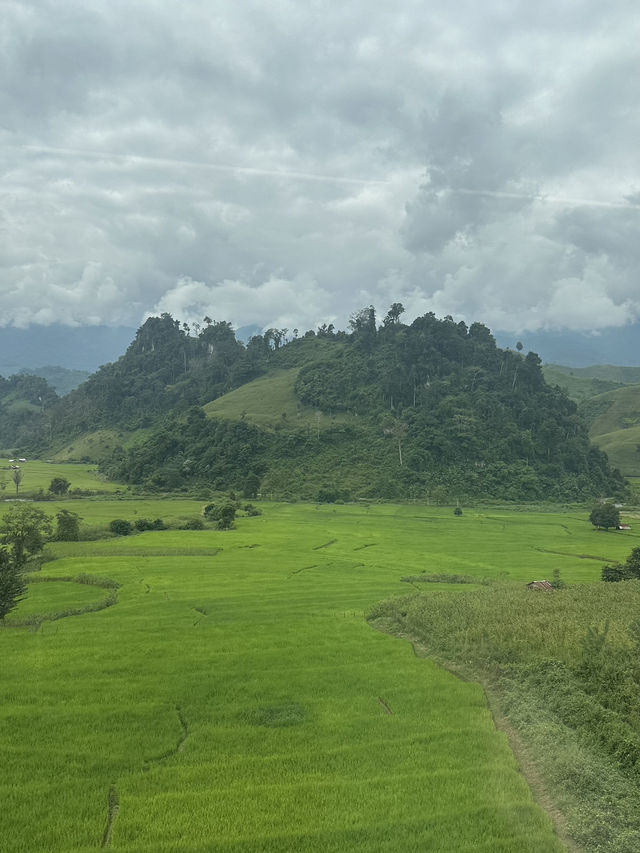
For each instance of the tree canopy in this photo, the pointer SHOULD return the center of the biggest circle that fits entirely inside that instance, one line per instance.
(24, 530)
(605, 515)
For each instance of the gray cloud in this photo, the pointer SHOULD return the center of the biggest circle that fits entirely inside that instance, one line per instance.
(287, 164)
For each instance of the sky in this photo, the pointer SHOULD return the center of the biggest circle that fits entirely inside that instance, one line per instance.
(288, 163)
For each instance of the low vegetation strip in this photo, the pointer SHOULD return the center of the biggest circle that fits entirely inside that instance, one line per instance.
(324, 545)
(114, 808)
(384, 705)
(443, 578)
(47, 608)
(562, 668)
(172, 751)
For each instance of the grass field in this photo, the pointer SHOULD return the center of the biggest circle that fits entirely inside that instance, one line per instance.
(270, 401)
(97, 445)
(235, 699)
(37, 475)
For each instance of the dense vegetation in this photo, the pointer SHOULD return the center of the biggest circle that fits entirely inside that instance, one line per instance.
(429, 410)
(25, 401)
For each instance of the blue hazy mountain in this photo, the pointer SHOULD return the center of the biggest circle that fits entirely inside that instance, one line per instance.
(76, 348)
(580, 349)
(88, 347)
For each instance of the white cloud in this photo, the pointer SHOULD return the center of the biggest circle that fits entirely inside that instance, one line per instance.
(285, 164)
(276, 302)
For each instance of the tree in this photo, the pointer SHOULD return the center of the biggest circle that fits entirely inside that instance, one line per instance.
(16, 476)
(605, 515)
(12, 584)
(623, 571)
(393, 314)
(59, 486)
(24, 530)
(68, 526)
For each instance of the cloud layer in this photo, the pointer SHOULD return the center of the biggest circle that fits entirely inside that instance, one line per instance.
(285, 163)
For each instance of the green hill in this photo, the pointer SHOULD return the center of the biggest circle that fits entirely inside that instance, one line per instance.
(582, 383)
(615, 410)
(614, 425)
(429, 410)
(621, 446)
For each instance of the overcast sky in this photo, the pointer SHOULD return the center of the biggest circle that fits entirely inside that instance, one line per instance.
(286, 163)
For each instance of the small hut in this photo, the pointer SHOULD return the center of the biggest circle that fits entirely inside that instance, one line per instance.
(544, 585)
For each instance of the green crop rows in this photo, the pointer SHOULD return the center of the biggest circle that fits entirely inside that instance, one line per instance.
(234, 698)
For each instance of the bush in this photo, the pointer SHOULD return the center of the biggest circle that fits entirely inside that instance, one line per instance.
(120, 527)
(252, 510)
(192, 524)
(143, 524)
(210, 512)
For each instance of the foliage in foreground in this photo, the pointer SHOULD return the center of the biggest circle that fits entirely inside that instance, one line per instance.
(564, 666)
(23, 531)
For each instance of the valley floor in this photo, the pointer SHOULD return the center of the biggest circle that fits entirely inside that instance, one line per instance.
(235, 698)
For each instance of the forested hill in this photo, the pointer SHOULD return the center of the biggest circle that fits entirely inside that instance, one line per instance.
(25, 403)
(434, 408)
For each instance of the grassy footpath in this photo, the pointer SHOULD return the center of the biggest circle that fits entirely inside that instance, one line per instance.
(235, 699)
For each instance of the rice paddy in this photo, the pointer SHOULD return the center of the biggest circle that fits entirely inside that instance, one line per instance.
(37, 475)
(235, 699)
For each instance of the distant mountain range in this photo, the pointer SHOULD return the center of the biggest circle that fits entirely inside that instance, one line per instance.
(580, 349)
(74, 347)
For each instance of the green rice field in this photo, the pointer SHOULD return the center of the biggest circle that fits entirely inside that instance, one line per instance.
(37, 475)
(233, 697)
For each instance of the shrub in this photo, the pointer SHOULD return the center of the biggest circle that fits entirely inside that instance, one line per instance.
(210, 512)
(192, 524)
(120, 527)
(143, 524)
(252, 510)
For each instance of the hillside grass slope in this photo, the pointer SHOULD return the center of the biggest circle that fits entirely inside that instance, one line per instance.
(614, 425)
